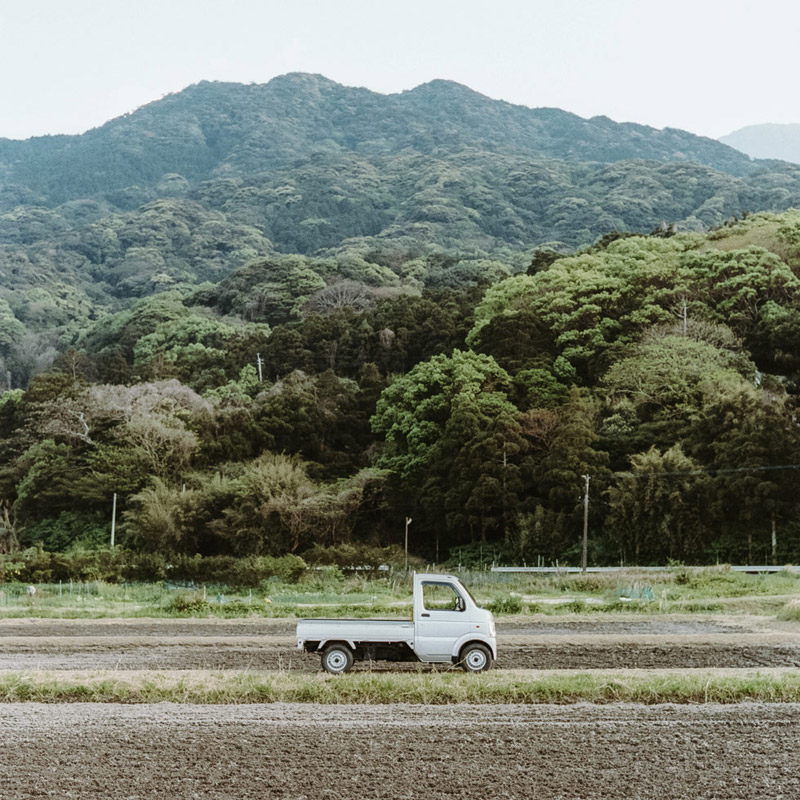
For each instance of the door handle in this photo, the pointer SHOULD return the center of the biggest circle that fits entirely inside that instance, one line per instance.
(424, 615)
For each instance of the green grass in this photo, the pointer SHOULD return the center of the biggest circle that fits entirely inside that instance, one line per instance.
(439, 688)
(680, 590)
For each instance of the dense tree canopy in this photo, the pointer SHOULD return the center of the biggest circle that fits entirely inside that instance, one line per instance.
(264, 336)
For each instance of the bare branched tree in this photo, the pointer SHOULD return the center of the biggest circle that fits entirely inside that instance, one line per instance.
(341, 294)
(9, 529)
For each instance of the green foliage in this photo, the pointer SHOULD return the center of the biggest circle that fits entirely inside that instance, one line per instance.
(71, 529)
(660, 514)
(453, 435)
(506, 604)
(225, 177)
(473, 409)
(189, 603)
(36, 565)
(359, 557)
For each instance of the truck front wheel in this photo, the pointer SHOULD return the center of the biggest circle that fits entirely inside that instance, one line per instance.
(337, 658)
(475, 657)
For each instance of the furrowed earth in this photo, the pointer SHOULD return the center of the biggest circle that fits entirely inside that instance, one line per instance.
(280, 750)
(524, 643)
(311, 751)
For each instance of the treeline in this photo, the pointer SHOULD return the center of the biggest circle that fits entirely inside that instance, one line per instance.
(664, 367)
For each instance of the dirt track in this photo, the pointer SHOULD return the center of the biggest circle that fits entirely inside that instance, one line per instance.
(288, 751)
(561, 643)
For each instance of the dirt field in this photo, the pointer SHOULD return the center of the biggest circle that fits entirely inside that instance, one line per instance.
(287, 751)
(306, 751)
(532, 643)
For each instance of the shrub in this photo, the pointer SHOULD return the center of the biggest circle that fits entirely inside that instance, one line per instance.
(36, 565)
(236, 608)
(188, 603)
(359, 557)
(250, 571)
(69, 529)
(506, 604)
(143, 567)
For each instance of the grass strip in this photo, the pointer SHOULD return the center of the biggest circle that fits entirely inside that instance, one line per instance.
(437, 688)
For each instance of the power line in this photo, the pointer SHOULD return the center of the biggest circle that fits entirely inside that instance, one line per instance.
(708, 471)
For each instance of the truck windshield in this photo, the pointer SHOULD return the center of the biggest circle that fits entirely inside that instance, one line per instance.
(464, 588)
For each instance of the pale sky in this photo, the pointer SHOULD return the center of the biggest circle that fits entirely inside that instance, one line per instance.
(707, 66)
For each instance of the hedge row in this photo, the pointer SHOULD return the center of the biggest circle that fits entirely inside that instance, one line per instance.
(125, 566)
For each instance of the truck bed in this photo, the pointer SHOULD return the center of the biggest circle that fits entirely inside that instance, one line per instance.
(354, 630)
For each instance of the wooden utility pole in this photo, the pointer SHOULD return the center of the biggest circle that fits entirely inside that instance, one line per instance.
(408, 522)
(585, 558)
(113, 519)
(774, 543)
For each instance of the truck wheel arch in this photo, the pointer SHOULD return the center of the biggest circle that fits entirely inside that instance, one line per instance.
(472, 638)
(328, 642)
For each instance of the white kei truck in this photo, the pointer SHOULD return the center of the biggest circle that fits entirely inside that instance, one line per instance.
(447, 626)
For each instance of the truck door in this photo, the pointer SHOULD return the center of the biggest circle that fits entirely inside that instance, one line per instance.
(442, 618)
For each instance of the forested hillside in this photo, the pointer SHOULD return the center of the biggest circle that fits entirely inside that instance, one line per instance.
(197, 184)
(469, 394)
(275, 317)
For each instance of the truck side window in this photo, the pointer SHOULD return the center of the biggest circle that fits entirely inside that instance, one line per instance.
(441, 597)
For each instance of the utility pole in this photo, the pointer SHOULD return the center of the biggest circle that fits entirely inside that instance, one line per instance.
(774, 543)
(258, 361)
(584, 560)
(113, 519)
(408, 522)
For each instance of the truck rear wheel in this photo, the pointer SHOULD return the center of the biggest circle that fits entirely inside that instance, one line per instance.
(475, 657)
(337, 658)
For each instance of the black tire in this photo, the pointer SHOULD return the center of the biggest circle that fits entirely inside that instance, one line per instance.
(337, 659)
(475, 657)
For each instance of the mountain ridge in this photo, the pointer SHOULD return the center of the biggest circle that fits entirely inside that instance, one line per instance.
(197, 184)
(352, 118)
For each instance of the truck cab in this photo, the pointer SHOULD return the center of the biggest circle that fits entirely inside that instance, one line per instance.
(446, 617)
(447, 626)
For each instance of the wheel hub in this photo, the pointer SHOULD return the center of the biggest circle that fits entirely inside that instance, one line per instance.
(336, 660)
(476, 659)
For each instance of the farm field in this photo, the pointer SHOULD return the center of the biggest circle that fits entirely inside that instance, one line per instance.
(532, 642)
(579, 752)
(665, 718)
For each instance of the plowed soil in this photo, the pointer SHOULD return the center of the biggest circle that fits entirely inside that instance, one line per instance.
(543, 643)
(580, 752)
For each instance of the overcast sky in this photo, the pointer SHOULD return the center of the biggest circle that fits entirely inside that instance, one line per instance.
(707, 66)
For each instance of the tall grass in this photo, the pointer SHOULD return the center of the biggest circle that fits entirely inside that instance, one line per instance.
(437, 688)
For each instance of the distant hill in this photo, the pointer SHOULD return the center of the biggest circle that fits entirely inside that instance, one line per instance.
(767, 141)
(213, 130)
(202, 182)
